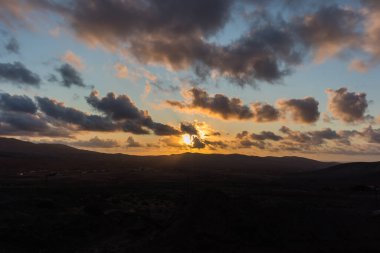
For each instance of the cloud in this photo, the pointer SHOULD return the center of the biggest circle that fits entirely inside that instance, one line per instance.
(359, 66)
(246, 143)
(131, 143)
(188, 128)
(201, 136)
(119, 114)
(117, 107)
(19, 116)
(242, 134)
(96, 142)
(266, 135)
(219, 105)
(25, 122)
(215, 144)
(69, 76)
(16, 73)
(172, 142)
(317, 141)
(325, 140)
(73, 59)
(371, 135)
(197, 143)
(245, 140)
(121, 108)
(162, 129)
(265, 113)
(13, 46)
(371, 38)
(328, 31)
(121, 70)
(159, 86)
(178, 35)
(315, 137)
(59, 111)
(327, 118)
(300, 110)
(176, 104)
(347, 106)
(16, 103)
(134, 127)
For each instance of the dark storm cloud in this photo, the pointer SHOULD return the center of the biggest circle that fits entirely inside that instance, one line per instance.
(70, 115)
(347, 106)
(19, 114)
(116, 116)
(177, 34)
(121, 108)
(96, 142)
(301, 110)
(128, 19)
(265, 54)
(134, 127)
(117, 107)
(161, 129)
(17, 74)
(17, 103)
(69, 76)
(219, 105)
(26, 124)
(13, 46)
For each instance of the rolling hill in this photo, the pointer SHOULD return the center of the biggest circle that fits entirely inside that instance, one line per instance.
(22, 156)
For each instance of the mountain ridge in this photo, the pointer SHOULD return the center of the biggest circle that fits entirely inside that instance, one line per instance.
(25, 155)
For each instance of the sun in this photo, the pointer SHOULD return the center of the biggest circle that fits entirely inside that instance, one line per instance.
(186, 139)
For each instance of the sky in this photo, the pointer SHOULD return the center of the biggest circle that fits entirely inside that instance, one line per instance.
(152, 77)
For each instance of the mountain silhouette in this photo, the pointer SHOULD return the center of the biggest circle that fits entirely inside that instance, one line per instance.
(22, 155)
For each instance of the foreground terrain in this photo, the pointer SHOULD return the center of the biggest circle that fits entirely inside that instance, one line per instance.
(59, 199)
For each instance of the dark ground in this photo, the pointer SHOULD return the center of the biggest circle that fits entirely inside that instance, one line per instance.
(186, 216)
(58, 199)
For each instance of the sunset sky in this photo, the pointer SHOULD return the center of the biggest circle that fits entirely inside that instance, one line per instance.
(267, 78)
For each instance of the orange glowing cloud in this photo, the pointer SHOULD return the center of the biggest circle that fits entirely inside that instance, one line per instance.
(73, 59)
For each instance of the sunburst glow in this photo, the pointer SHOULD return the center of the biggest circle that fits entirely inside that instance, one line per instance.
(186, 138)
